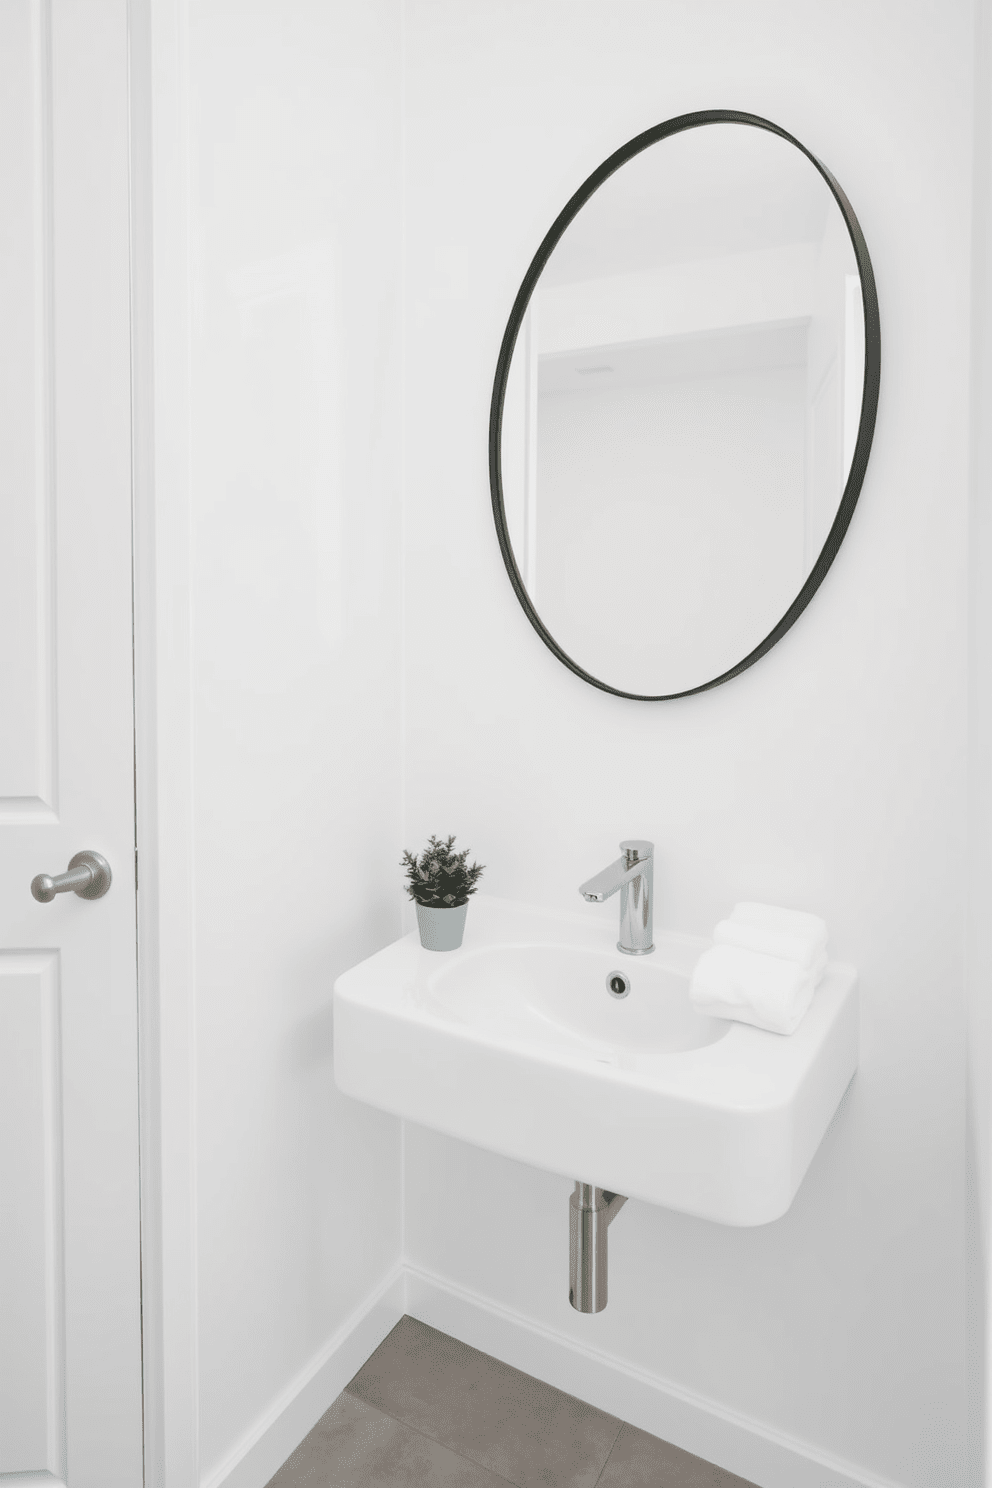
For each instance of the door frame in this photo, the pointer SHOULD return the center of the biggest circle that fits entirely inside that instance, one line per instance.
(160, 329)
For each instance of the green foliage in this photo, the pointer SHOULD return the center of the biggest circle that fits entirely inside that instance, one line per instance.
(442, 878)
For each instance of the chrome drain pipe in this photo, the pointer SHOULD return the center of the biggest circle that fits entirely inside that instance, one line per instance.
(590, 1212)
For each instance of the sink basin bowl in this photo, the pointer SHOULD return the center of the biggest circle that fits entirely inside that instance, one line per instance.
(554, 996)
(514, 1043)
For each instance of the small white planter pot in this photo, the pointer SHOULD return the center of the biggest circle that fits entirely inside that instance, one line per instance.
(441, 929)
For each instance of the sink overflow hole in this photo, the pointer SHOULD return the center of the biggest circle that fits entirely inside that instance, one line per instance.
(617, 984)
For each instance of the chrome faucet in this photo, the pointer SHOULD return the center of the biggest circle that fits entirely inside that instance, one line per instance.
(633, 875)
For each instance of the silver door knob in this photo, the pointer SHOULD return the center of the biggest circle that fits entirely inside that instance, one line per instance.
(88, 876)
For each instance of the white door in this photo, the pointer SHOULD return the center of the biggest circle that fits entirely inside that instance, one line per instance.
(70, 1366)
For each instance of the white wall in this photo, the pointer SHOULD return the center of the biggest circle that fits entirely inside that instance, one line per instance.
(828, 777)
(294, 123)
(979, 953)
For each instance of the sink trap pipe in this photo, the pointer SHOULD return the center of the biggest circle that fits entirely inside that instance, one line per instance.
(590, 1212)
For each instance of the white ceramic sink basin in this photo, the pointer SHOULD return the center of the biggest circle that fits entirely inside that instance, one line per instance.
(554, 997)
(514, 1043)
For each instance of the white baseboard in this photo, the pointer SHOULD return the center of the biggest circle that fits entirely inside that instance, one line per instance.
(734, 1442)
(300, 1406)
(740, 1445)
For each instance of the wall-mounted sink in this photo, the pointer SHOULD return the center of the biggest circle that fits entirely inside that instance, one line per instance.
(515, 1043)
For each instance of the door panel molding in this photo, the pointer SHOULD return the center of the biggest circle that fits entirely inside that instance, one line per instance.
(27, 388)
(32, 1313)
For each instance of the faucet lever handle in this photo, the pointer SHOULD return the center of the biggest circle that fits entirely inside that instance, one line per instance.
(637, 850)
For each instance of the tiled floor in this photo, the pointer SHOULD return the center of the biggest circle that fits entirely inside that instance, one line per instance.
(428, 1412)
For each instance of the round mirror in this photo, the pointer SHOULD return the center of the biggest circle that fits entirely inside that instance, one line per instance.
(684, 405)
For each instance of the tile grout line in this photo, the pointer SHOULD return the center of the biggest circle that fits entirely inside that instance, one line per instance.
(613, 1447)
(427, 1437)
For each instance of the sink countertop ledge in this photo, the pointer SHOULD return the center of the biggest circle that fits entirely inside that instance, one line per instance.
(513, 1043)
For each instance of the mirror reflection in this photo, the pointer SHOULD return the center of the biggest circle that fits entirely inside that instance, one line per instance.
(682, 407)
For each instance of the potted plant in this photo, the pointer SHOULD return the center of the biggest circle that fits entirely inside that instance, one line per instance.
(439, 883)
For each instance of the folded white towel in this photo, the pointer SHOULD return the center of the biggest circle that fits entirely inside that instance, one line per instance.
(788, 933)
(766, 991)
(772, 917)
(803, 949)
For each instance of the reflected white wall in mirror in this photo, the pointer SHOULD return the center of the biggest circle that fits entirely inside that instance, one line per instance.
(682, 407)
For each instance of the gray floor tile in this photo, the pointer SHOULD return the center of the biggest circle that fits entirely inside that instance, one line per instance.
(520, 1428)
(642, 1461)
(353, 1445)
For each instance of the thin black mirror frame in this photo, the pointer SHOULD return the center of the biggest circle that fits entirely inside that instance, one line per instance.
(869, 402)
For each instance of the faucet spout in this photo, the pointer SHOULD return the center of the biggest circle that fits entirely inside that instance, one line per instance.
(604, 885)
(633, 876)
